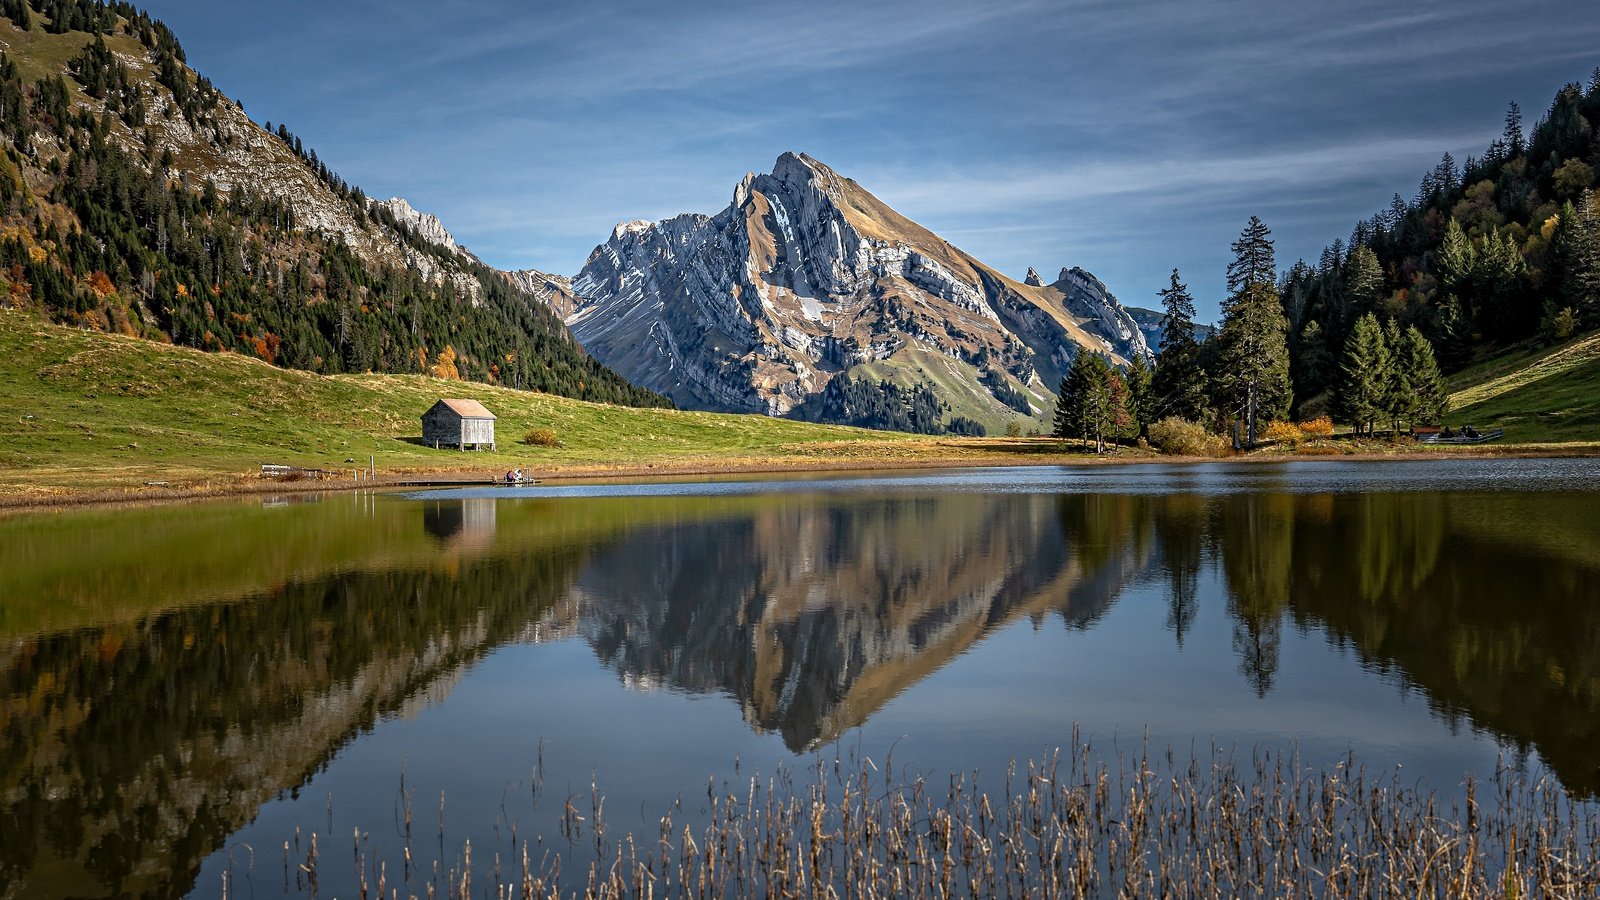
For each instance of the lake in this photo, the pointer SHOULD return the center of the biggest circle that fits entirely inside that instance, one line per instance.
(184, 689)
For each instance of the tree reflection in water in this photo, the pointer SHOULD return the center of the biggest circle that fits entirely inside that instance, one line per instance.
(139, 729)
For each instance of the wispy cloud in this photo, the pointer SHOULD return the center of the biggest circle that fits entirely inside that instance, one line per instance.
(1124, 137)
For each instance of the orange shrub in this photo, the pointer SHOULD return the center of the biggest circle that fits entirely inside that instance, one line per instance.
(1283, 433)
(541, 437)
(1320, 427)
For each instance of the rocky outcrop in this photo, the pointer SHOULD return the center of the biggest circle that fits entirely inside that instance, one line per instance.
(805, 276)
(1085, 296)
(555, 291)
(426, 225)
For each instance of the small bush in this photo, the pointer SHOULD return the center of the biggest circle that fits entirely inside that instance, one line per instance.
(541, 437)
(1320, 427)
(1283, 433)
(1185, 438)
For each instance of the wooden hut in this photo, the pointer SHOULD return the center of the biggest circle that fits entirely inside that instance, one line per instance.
(458, 423)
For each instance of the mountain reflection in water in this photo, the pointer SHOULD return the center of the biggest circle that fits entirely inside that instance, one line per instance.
(140, 727)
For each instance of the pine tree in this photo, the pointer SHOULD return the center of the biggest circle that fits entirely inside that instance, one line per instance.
(1141, 394)
(1253, 259)
(1359, 397)
(1179, 382)
(1577, 247)
(1455, 260)
(1513, 137)
(1252, 375)
(1312, 360)
(1395, 378)
(1426, 401)
(1085, 409)
(1363, 280)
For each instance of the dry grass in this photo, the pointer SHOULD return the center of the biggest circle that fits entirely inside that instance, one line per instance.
(1561, 361)
(1067, 825)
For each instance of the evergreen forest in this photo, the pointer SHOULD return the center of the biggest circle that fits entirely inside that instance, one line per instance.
(1494, 253)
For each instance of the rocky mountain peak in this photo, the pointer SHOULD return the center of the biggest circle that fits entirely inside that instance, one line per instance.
(1033, 278)
(805, 277)
(1087, 297)
(427, 225)
(630, 227)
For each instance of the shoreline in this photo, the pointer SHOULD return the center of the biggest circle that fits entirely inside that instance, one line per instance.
(222, 486)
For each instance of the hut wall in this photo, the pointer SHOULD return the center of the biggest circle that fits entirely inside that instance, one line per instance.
(477, 431)
(441, 427)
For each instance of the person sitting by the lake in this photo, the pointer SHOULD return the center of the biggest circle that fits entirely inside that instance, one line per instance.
(514, 476)
(1469, 431)
(1447, 433)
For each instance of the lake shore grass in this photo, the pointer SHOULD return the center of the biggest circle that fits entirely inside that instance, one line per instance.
(1217, 824)
(97, 418)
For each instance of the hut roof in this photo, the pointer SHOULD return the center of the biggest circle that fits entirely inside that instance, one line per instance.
(467, 409)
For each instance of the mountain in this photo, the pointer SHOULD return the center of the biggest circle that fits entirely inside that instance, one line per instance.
(135, 197)
(805, 281)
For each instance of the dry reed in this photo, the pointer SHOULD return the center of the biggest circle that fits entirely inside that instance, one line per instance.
(1064, 825)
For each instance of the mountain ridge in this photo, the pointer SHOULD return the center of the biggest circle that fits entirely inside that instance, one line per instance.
(804, 277)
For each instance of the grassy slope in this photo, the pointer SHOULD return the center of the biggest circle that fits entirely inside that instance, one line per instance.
(956, 382)
(84, 410)
(1537, 396)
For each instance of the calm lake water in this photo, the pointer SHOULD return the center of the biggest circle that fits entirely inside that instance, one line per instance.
(183, 687)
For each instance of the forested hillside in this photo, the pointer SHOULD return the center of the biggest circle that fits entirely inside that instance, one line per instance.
(1495, 253)
(1490, 252)
(136, 198)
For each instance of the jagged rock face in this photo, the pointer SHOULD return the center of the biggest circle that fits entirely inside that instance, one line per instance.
(804, 276)
(555, 291)
(1033, 278)
(1085, 296)
(427, 225)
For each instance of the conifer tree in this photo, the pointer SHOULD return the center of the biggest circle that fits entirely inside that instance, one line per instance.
(1577, 245)
(1141, 402)
(1455, 335)
(1395, 378)
(1252, 376)
(1425, 401)
(1360, 395)
(1363, 280)
(1315, 366)
(1085, 409)
(1513, 137)
(1179, 382)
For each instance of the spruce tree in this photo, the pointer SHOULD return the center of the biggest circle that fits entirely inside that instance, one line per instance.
(1426, 401)
(1179, 382)
(1085, 409)
(1141, 394)
(1395, 378)
(1455, 335)
(1359, 398)
(1363, 280)
(1252, 376)
(1513, 137)
(1069, 412)
(1577, 246)
(1313, 361)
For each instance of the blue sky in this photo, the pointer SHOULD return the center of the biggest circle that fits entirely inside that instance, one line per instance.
(1126, 138)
